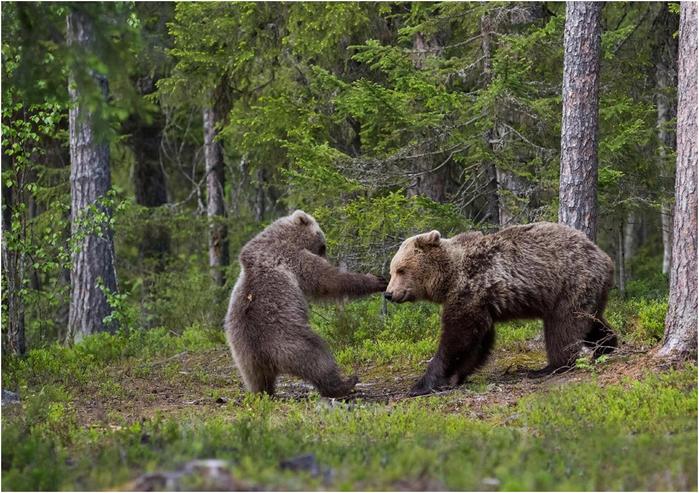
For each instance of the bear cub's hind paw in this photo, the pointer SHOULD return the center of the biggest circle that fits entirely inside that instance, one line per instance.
(342, 390)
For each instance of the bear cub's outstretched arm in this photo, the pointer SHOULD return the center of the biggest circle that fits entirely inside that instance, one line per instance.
(322, 280)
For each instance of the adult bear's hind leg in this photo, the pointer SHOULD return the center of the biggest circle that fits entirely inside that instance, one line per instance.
(563, 335)
(601, 339)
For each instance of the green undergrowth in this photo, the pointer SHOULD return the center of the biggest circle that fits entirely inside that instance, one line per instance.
(630, 436)
(58, 364)
(580, 435)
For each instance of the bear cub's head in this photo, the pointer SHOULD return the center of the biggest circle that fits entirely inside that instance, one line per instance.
(304, 232)
(417, 269)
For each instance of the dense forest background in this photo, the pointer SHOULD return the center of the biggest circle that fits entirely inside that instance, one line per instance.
(380, 119)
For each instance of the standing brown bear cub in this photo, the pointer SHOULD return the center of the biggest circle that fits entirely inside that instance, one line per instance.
(267, 320)
(541, 270)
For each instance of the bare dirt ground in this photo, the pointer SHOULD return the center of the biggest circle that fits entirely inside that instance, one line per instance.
(204, 382)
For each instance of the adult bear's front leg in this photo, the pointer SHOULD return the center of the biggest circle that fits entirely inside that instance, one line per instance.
(463, 328)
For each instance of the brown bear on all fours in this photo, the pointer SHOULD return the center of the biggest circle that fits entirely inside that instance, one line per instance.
(541, 270)
(267, 321)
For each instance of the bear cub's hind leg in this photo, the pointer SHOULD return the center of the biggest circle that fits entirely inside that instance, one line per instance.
(317, 366)
(259, 379)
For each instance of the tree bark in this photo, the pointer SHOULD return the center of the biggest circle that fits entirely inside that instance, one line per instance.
(260, 204)
(621, 260)
(666, 225)
(632, 233)
(13, 266)
(579, 133)
(491, 173)
(681, 321)
(93, 260)
(215, 210)
(666, 82)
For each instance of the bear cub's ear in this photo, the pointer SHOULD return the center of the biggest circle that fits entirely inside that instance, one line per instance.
(301, 218)
(428, 239)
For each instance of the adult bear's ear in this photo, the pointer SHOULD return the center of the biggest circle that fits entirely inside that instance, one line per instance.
(301, 218)
(428, 239)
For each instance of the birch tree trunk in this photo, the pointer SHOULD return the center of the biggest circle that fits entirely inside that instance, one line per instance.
(215, 211)
(681, 321)
(579, 132)
(93, 260)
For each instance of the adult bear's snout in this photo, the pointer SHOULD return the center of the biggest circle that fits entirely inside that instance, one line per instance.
(388, 295)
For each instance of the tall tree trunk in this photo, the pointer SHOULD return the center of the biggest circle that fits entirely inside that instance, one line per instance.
(681, 322)
(621, 260)
(13, 266)
(666, 83)
(632, 233)
(492, 210)
(149, 178)
(93, 261)
(260, 204)
(215, 211)
(666, 225)
(581, 61)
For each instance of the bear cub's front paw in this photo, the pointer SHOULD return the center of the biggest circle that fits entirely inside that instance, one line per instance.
(379, 283)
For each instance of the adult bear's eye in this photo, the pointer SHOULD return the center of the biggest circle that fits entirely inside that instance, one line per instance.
(400, 271)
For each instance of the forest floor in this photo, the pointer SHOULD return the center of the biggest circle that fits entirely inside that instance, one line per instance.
(139, 422)
(204, 382)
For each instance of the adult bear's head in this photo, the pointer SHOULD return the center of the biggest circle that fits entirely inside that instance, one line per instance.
(418, 269)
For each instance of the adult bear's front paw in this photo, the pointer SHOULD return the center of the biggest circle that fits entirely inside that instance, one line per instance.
(423, 386)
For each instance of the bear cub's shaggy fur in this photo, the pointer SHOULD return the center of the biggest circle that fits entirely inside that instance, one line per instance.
(267, 321)
(541, 270)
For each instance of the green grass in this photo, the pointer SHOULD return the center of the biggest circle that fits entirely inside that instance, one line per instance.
(582, 434)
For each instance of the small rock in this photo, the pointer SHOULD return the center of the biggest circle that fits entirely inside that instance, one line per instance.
(9, 397)
(157, 481)
(221, 400)
(202, 475)
(491, 481)
(306, 462)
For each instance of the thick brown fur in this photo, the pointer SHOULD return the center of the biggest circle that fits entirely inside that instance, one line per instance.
(267, 321)
(541, 270)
